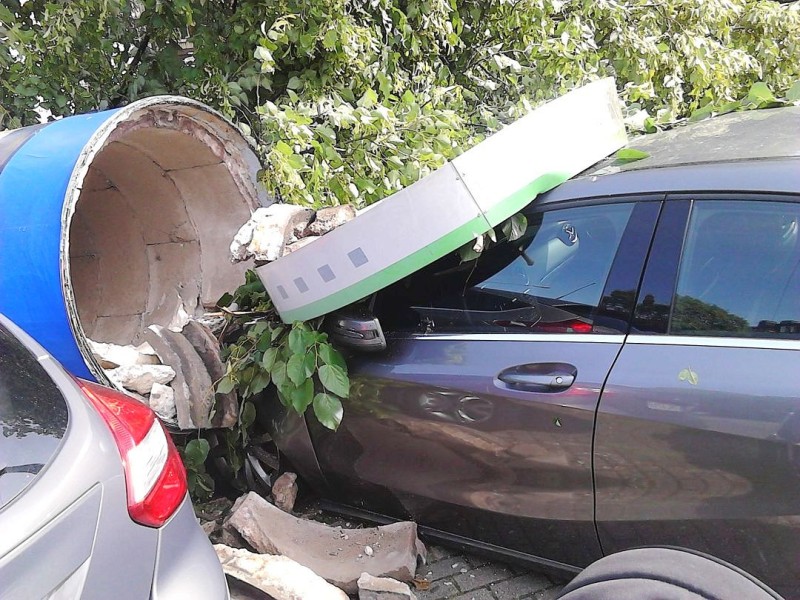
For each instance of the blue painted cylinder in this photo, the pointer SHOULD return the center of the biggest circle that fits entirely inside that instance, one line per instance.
(114, 221)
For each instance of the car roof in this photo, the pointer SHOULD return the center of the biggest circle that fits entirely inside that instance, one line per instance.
(723, 152)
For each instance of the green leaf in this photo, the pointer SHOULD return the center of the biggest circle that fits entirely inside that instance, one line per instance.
(278, 373)
(259, 382)
(269, 358)
(328, 410)
(729, 107)
(302, 396)
(310, 362)
(326, 132)
(295, 368)
(294, 83)
(793, 95)
(195, 453)
(300, 340)
(284, 148)
(277, 332)
(626, 155)
(514, 228)
(331, 356)
(225, 300)
(247, 416)
(296, 161)
(330, 39)
(702, 113)
(689, 376)
(760, 94)
(225, 385)
(264, 342)
(334, 379)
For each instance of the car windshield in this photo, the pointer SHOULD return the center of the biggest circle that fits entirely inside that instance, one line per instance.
(33, 417)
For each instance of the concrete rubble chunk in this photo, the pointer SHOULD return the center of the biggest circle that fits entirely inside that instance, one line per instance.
(162, 401)
(181, 318)
(279, 576)
(192, 387)
(328, 219)
(325, 550)
(284, 491)
(208, 348)
(383, 588)
(302, 242)
(269, 229)
(140, 378)
(111, 356)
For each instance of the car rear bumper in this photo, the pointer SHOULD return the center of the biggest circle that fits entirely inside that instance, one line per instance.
(186, 565)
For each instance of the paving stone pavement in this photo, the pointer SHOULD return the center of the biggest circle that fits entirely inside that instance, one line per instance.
(451, 574)
(457, 576)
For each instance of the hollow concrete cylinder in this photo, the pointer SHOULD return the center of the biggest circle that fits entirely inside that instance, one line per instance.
(113, 221)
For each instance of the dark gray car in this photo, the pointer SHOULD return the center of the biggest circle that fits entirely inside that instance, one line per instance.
(625, 374)
(93, 500)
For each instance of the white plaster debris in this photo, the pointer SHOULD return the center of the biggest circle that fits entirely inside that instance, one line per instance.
(267, 232)
(111, 356)
(383, 588)
(279, 576)
(280, 229)
(180, 319)
(162, 401)
(140, 378)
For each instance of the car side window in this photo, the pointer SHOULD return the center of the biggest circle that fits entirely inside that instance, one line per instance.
(549, 280)
(739, 274)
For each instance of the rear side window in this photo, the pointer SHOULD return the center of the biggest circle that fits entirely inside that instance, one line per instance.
(33, 417)
(550, 280)
(740, 271)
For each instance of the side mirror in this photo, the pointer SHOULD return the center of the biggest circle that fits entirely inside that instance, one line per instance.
(356, 328)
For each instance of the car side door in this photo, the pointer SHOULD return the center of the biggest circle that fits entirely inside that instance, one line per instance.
(699, 423)
(477, 420)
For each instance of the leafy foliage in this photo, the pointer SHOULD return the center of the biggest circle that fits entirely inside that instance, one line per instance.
(351, 101)
(304, 367)
(194, 454)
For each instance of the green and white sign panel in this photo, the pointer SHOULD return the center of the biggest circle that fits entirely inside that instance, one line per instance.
(450, 207)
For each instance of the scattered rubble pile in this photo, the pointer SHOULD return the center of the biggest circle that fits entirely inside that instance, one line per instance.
(176, 367)
(280, 229)
(174, 372)
(291, 558)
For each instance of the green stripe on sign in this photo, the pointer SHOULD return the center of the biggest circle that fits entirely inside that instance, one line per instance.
(430, 253)
(521, 198)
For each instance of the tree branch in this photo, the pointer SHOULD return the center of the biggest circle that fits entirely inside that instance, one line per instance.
(131, 71)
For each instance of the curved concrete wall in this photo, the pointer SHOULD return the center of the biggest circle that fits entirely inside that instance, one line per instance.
(114, 221)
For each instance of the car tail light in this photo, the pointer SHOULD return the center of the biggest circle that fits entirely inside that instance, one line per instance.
(155, 477)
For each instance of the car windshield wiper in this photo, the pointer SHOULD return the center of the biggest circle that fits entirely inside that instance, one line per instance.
(32, 468)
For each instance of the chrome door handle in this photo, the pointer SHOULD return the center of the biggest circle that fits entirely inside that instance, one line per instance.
(539, 377)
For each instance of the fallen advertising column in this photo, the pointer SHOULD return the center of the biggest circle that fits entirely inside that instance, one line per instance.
(117, 222)
(450, 207)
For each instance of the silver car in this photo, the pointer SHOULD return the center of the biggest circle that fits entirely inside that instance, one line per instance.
(93, 499)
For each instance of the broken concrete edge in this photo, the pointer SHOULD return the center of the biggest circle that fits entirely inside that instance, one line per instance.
(383, 588)
(236, 151)
(279, 576)
(284, 491)
(336, 554)
(226, 406)
(279, 229)
(194, 393)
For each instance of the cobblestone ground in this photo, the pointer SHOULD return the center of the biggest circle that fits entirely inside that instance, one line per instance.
(456, 576)
(449, 574)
